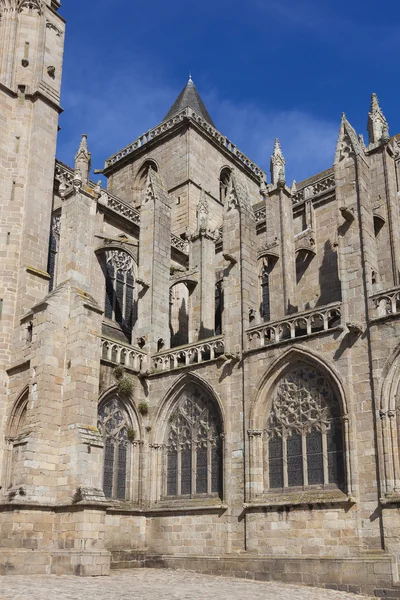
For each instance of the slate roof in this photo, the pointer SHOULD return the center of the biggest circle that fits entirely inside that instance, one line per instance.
(189, 96)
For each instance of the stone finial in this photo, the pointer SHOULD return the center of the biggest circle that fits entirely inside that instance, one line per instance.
(348, 144)
(277, 164)
(293, 189)
(378, 129)
(83, 159)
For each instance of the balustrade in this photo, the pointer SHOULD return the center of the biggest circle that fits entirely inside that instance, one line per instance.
(299, 325)
(387, 303)
(126, 356)
(197, 353)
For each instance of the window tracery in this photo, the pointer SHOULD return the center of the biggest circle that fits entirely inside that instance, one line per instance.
(193, 447)
(120, 305)
(114, 426)
(305, 440)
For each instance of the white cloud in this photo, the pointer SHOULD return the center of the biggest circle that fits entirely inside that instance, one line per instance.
(308, 143)
(135, 101)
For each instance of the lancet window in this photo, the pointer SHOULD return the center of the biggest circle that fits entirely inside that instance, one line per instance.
(179, 314)
(265, 308)
(193, 448)
(305, 438)
(114, 425)
(219, 307)
(53, 249)
(120, 305)
(224, 183)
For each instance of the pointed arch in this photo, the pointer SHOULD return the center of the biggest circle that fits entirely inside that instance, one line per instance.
(17, 418)
(191, 435)
(119, 425)
(388, 425)
(180, 384)
(293, 355)
(120, 272)
(16, 438)
(300, 411)
(140, 181)
(224, 179)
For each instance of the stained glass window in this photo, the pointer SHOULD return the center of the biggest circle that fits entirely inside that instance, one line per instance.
(305, 441)
(120, 304)
(113, 424)
(193, 447)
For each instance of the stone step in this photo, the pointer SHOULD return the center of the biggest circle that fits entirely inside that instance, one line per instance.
(393, 594)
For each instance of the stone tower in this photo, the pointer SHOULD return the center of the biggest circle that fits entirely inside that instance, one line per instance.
(31, 55)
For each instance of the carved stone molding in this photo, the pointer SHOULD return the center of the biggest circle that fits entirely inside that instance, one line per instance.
(303, 400)
(53, 27)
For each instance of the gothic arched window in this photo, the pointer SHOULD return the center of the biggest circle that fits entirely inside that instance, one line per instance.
(120, 305)
(179, 314)
(305, 438)
(193, 447)
(223, 183)
(53, 249)
(265, 298)
(16, 431)
(219, 307)
(115, 427)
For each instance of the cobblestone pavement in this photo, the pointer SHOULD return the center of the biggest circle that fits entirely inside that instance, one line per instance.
(154, 584)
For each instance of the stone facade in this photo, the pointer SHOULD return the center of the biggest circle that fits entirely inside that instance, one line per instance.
(198, 367)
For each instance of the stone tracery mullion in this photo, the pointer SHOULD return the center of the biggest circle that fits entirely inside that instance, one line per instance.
(192, 426)
(303, 403)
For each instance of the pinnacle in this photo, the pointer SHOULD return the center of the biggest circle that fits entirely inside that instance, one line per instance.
(278, 150)
(83, 143)
(374, 103)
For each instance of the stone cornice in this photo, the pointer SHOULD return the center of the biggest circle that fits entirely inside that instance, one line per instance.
(187, 115)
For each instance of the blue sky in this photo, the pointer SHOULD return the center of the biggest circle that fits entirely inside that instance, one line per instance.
(264, 68)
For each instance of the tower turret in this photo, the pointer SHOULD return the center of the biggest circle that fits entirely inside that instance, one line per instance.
(31, 53)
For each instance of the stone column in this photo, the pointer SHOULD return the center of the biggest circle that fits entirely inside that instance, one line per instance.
(154, 264)
(256, 464)
(280, 236)
(202, 260)
(357, 258)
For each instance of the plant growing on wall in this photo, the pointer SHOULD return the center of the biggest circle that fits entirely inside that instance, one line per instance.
(118, 372)
(131, 434)
(143, 408)
(125, 386)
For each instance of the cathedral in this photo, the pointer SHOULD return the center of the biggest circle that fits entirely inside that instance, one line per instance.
(199, 362)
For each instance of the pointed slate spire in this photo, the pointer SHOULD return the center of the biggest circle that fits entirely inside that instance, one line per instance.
(83, 159)
(277, 164)
(378, 129)
(189, 96)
